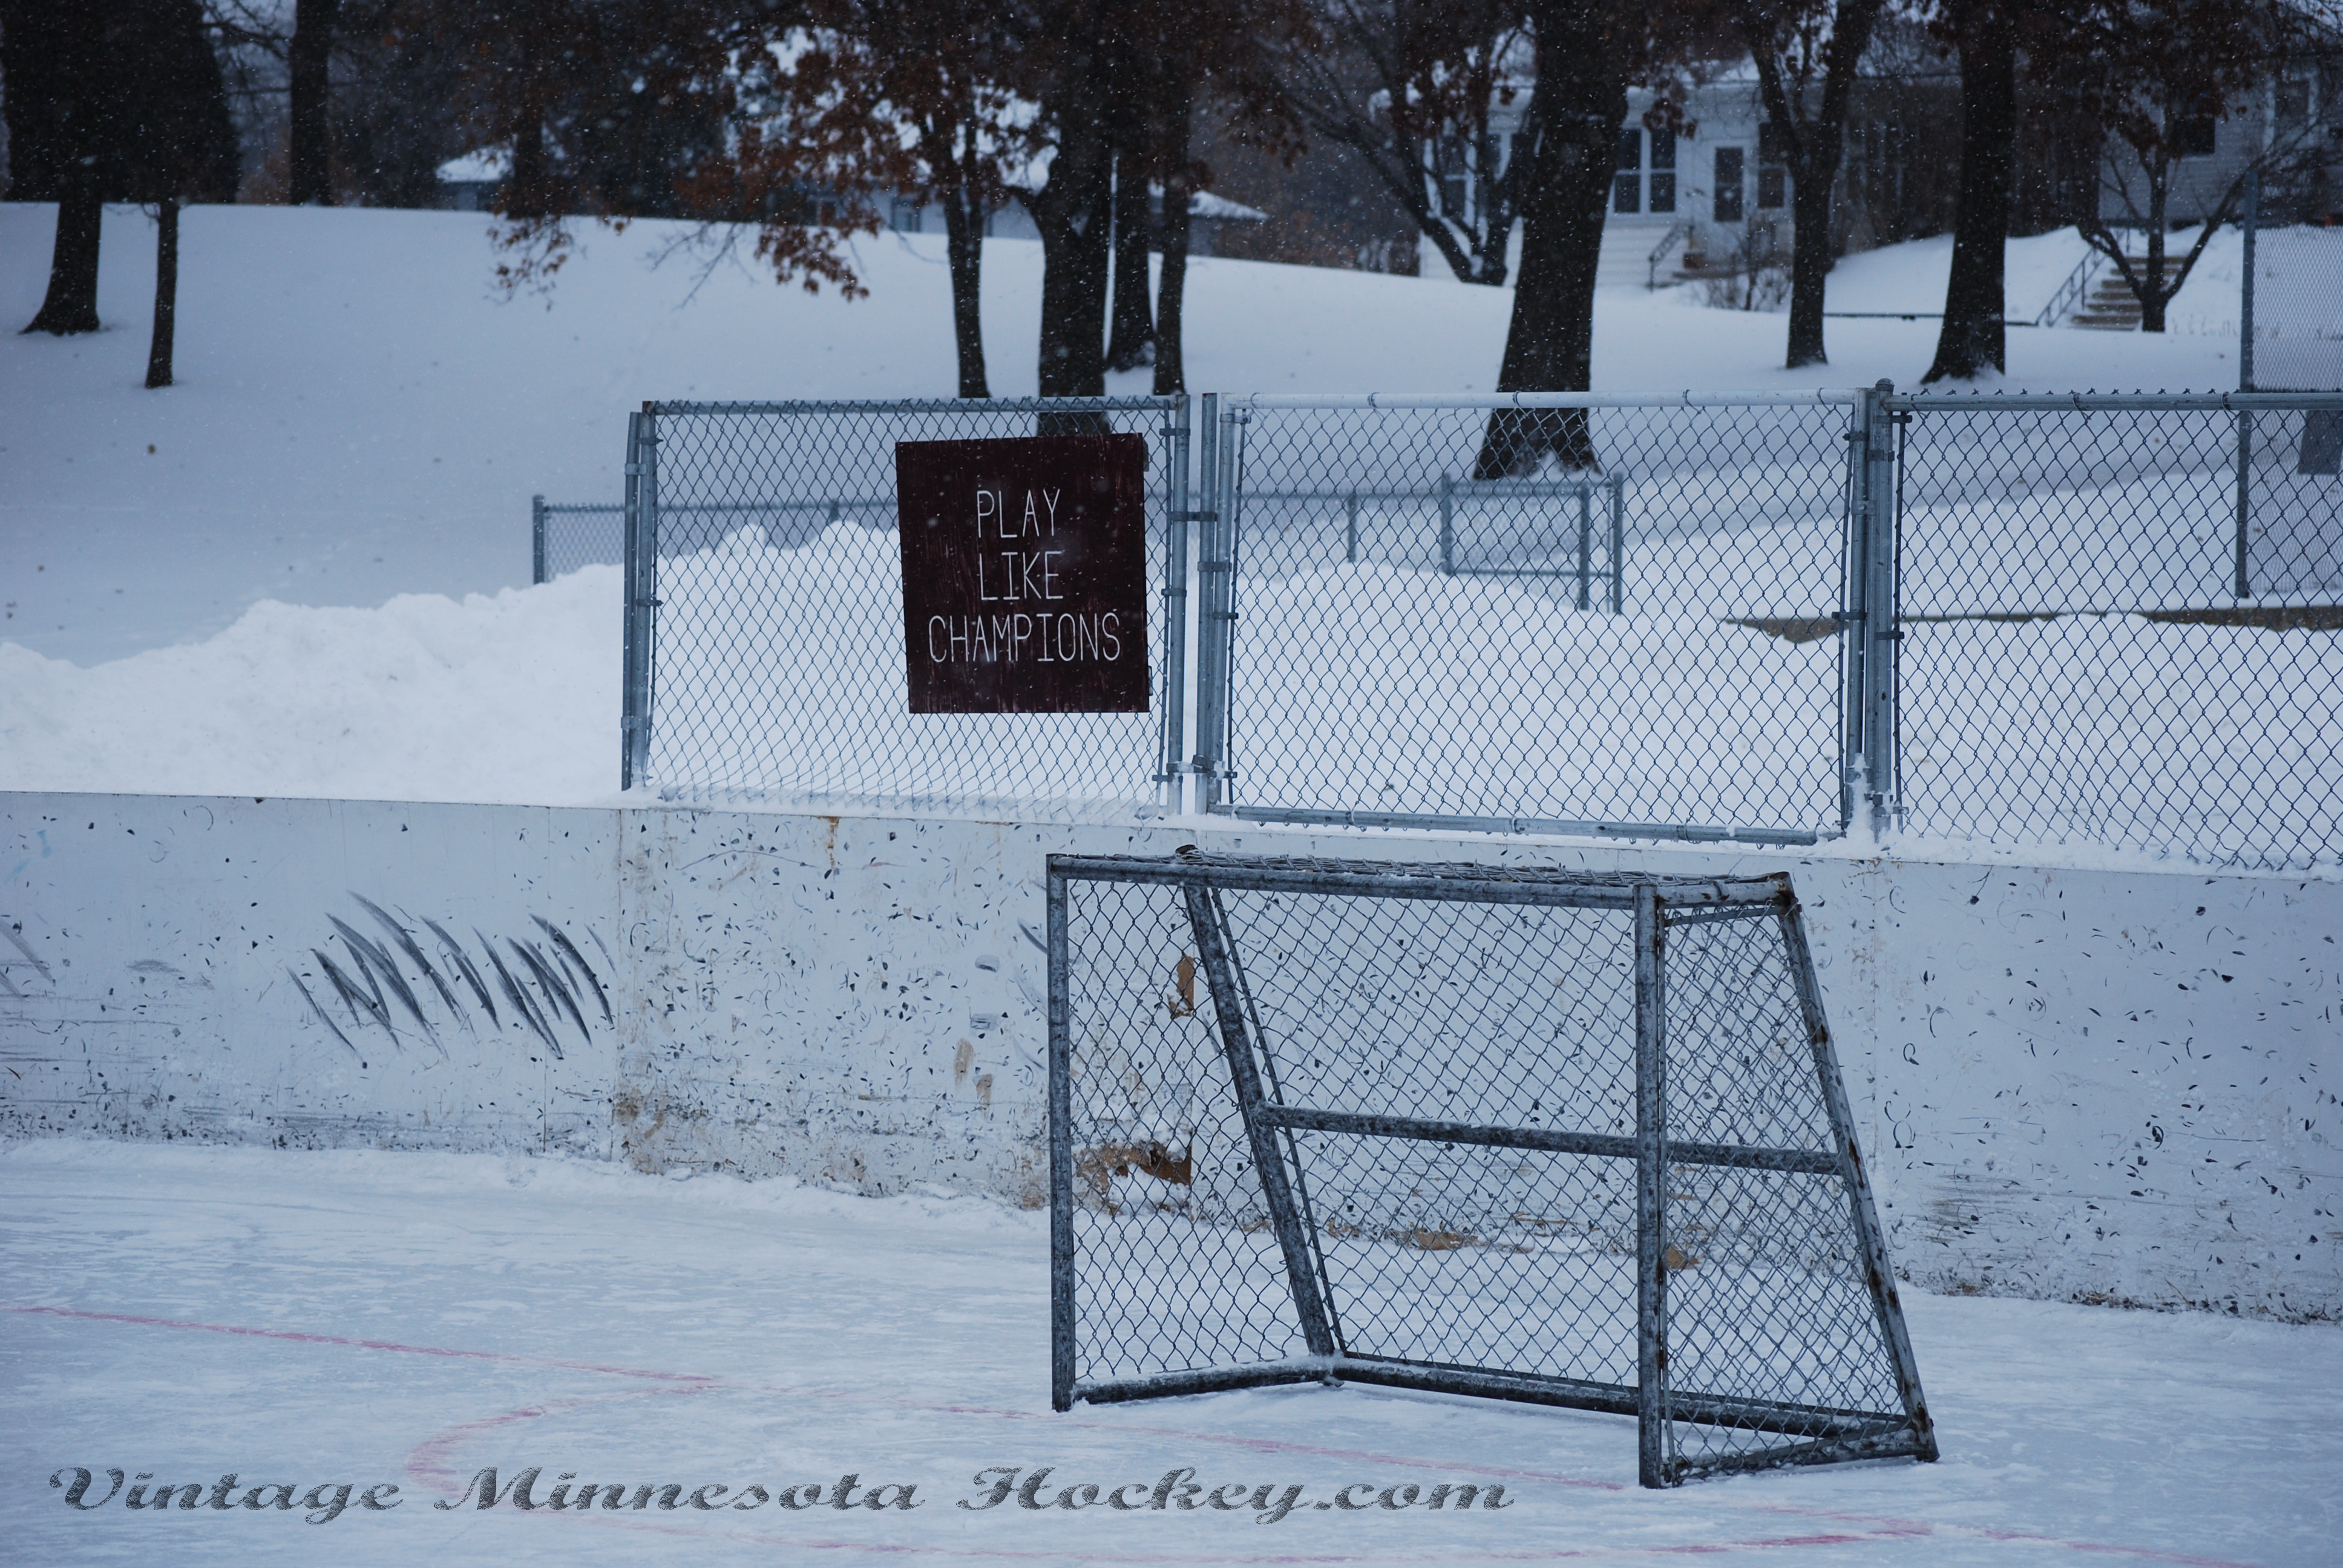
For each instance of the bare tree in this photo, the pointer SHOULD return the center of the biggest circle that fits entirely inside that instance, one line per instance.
(1971, 339)
(1418, 88)
(309, 145)
(936, 66)
(1793, 44)
(1589, 52)
(2168, 72)
(122, 103)
(54, 60)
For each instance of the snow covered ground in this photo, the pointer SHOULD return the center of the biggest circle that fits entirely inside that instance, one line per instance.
(360, 422)
(404, 1319)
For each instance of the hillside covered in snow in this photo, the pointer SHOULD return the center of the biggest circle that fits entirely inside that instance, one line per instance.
(203, 585)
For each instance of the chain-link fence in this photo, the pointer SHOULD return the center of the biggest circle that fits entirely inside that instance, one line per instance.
(2119, 623)
(1588, 647)
(765, 542)
(1574, 1140)
(2291, 300)
(565, 536)
(1772, 619)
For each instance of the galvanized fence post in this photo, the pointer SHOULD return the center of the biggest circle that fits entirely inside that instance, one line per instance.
(1062, 1154)
(536, 540)
(1586, 544)
(1177, 514)
(1618, 544)
(2249, 221)
(1651, 1194)
(642, 596)
(1853, 580)
(1869, 632)
(1447, 526)
(1204, 766)
(1882, 633)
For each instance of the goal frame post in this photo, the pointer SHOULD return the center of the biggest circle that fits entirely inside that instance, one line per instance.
(1657, 904)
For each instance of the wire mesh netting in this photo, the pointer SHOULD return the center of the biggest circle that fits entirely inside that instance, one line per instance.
(573, 535)
(2297, 310)
(2100, 619)
(1582, 643)
(2120, 626)
(779, 656)
(1448, 1087)
(1768, 1309)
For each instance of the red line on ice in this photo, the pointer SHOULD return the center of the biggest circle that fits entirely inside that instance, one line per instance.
(299, 1337)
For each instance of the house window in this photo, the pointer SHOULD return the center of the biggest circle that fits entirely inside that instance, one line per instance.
(1728, 184)
(1664, 169)
(2195, 137)
(2293, 103)
(1627, 185)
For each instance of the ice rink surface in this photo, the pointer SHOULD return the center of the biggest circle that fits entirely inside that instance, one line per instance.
(404, 1319)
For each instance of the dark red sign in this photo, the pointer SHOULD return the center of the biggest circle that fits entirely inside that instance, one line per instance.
(1024, 574)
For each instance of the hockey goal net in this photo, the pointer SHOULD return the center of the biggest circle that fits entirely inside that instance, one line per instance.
(1573, 1139)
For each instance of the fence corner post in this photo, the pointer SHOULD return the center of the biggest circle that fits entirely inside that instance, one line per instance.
(536, 540)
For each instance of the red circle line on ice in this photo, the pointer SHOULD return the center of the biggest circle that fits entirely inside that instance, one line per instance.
(426, 1464)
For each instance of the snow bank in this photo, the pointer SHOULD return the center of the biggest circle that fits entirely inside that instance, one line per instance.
(511, 697)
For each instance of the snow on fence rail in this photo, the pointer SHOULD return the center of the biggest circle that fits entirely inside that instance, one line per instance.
(1766, 617)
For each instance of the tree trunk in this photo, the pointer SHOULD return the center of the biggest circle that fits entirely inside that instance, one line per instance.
(166, 292)
(1171, 288)
(1810, 241)
(1074, 210)
(1131, 340)
(1570, 134)
(1972, 339)
(1073, 292)
(964, 247)
(71, 305)
(2153, 295)
(309, 143)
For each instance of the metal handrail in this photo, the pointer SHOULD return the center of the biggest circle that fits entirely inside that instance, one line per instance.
(1679, 230)
(2070, 292)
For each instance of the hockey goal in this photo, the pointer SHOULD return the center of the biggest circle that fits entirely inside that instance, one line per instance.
(1566, 1138)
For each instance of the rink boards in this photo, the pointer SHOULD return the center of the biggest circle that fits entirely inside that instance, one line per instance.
(2116, 1082)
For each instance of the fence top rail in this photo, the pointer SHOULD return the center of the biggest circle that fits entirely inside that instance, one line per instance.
(1688, 399)
(2110, 402)
(1463, 489)
(1462, 882)
(552, 509)
(929, 406)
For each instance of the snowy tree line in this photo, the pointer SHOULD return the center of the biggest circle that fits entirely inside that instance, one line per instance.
(778, 123)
